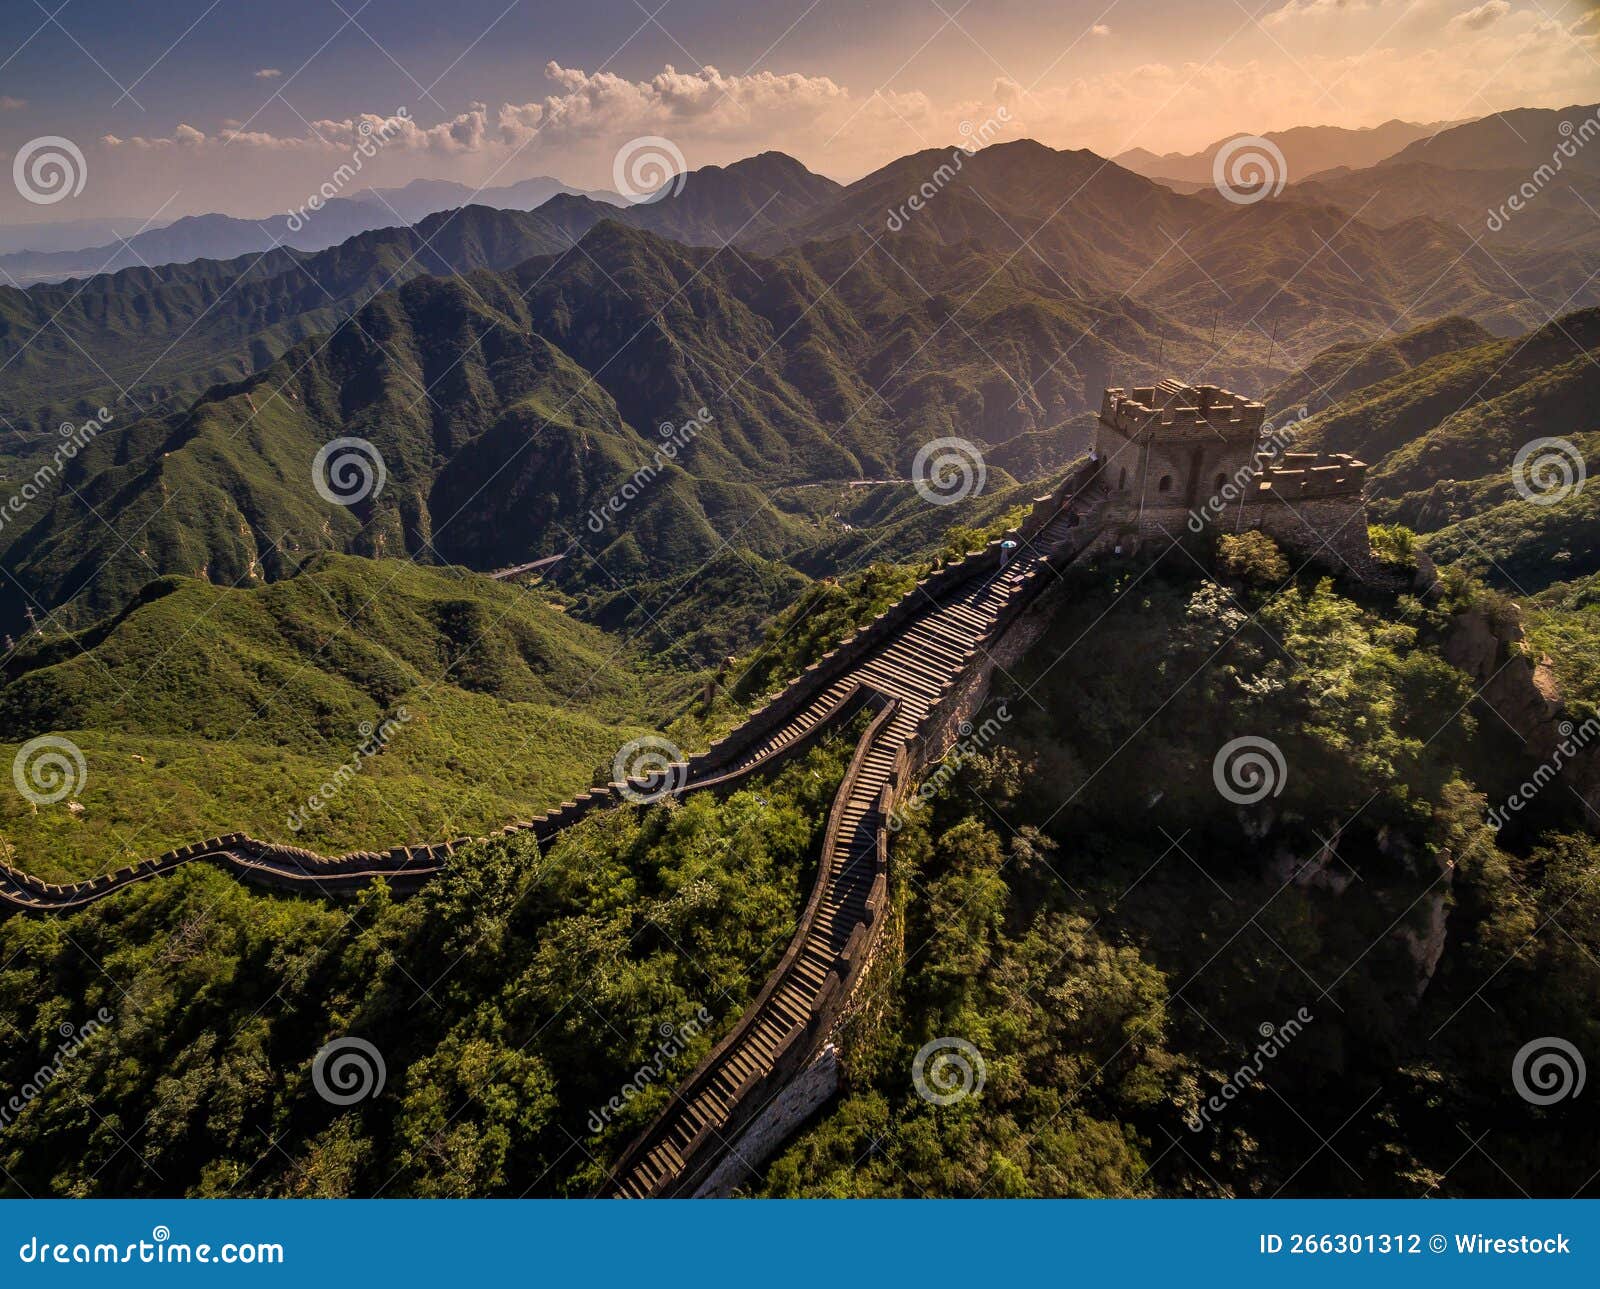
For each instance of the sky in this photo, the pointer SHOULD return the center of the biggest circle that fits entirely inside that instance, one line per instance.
(247, 107)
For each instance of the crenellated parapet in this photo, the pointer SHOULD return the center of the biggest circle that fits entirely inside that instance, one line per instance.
(1172, 410)
(1296, 475)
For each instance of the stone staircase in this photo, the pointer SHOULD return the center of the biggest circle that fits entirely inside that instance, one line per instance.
(908, 677)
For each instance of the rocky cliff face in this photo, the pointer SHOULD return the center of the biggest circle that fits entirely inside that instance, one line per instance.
(1524, 693)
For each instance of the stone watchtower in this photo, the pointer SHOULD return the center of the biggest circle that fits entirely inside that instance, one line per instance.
(1169, 447)
(1184, 458)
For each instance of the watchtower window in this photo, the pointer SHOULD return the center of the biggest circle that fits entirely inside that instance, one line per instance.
(1166, 484)
(1122, 483)
(1222, 480)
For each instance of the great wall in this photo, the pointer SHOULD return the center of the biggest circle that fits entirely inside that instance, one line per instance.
(924, 667)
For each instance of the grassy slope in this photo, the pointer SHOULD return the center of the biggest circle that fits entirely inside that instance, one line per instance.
(204, 710)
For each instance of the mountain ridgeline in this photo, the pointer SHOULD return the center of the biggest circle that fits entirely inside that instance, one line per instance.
(1274, 282)
(509, 407)
(520, 373)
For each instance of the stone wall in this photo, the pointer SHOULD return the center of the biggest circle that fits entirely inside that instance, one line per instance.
(804, 1095)
(1331, 531)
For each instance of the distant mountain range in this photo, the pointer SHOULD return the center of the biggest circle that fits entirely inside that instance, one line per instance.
(1307, 150)
(1523, 138)
(224, 237)
(512, 365)
(70, 234)
(1264, 286)
(1562, 215)
(1470, 176)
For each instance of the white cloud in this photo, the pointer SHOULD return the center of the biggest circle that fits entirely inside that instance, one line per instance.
(268, 74)
(1099, 29)
(1296, 10)
(1486, 14)
(9, 104)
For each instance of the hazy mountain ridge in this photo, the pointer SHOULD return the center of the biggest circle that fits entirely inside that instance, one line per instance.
(1282, 279)
(1521, 138)
(1562, 215)
(1307, 149)
(228, 237)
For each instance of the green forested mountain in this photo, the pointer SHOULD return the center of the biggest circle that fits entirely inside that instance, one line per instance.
(164, 334)
(1113, 938)
(1281, 279)
(509, 408)
(1273, 282)
(1112, 964)
(1342, 369)
(1443, 435)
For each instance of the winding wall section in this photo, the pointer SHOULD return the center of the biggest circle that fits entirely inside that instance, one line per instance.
(923, 665)
(928, 676)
